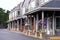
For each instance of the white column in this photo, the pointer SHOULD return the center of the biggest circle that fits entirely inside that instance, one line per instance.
(17, 25)
(24, 26)
(53, 25)
(30, 22)
(42, 20)
(37, 23)
(12, 25)
(21, 24)
(48, 32)
(8, 26)
(34, 24)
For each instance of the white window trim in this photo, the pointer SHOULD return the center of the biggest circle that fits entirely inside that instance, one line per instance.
(23, 10)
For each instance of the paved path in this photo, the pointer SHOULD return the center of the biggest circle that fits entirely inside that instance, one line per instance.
(8, 35)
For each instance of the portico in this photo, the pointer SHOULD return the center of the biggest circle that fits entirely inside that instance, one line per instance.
(46, 17)
(49, 21)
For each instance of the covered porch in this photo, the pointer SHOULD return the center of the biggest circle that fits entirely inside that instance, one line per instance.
(45, 22)
(45, 18)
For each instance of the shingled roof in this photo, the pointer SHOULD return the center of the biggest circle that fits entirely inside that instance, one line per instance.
(53, 3)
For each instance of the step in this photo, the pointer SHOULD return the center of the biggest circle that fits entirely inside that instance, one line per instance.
(55, 38)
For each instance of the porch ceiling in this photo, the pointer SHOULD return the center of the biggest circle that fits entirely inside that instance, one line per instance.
(43, 9)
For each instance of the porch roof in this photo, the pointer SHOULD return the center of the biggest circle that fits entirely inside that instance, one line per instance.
(53, 5)
(20, 17)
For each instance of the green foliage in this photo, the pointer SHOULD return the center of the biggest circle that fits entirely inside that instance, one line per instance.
(4, 15)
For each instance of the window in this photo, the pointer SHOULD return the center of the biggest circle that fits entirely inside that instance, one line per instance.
(37, 3)
(45, 0)
(32, 5)
(57, 22)
(23, 11)
(18, 12)
(26, 10)
(15, 13)
(10, 16)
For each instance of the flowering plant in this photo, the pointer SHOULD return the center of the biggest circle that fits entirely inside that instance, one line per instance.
(44, 22)
(40, 31)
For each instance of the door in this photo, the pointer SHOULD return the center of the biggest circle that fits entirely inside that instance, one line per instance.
(57, 23)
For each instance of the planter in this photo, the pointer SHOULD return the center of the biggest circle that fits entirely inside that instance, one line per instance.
(39, 32)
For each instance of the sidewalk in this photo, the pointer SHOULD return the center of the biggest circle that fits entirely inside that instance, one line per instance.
(27, 34)
(24, 33)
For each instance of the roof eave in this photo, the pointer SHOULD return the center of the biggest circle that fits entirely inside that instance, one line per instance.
(43, 9)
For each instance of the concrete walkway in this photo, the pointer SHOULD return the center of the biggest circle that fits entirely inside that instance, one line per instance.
(32, 36)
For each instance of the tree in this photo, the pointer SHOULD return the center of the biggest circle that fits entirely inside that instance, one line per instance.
(4, 16)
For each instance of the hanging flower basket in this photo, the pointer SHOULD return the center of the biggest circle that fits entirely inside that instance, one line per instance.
(44, 22)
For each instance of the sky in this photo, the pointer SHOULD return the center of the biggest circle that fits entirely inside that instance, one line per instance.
(9, 4)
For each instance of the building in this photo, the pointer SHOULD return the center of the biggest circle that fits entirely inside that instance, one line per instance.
(35, 15)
